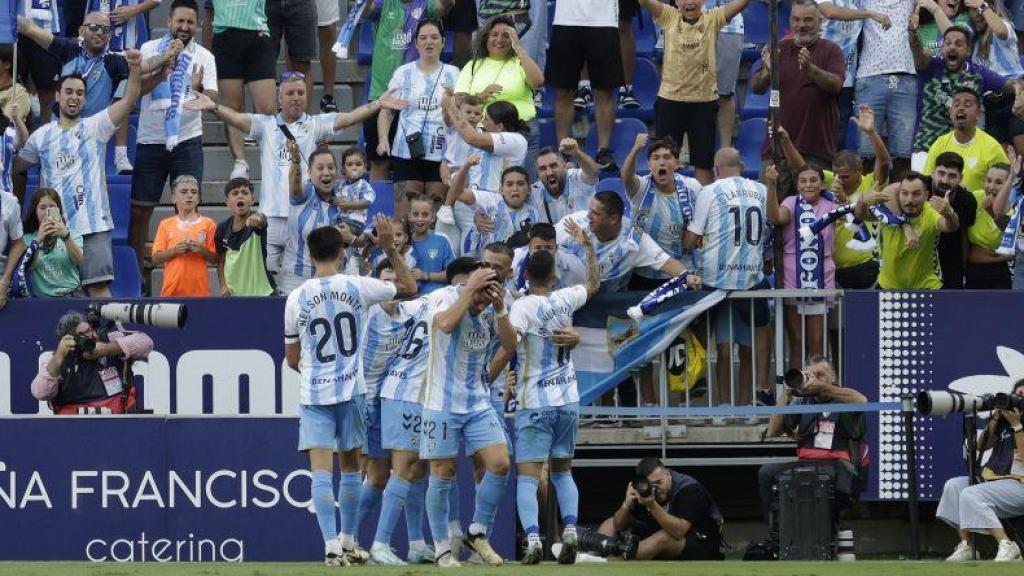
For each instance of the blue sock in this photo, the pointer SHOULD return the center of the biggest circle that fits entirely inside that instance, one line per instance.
(568, 496)
(414, 510)
(323, 503)
(395, 495)
(488, 496)
(454, 512)
(438, 490)
(369, 498)
(526, 503)
(348, 501)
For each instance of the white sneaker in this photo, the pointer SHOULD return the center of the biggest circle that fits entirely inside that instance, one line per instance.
(964, 551)
(334, 554)
(122, 163)
(479, 544)
(383, 555)
(240, 170)
(455, 540)
(420, 554)
(1008, 551)
(447, 560)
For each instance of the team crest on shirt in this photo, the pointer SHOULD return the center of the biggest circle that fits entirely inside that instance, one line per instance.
(475, 340)
(432, 253)
(64, 163)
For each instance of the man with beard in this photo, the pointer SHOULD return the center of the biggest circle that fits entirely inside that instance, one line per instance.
(942, 76)
(559, 190)
(90, 56)
(979, 150)
(906, 265)
(947, 177)
(271, 132)
(811, 73)
(157, 159)
(70, 153)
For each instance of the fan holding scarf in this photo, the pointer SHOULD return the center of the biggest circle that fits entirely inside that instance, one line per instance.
(807, 259)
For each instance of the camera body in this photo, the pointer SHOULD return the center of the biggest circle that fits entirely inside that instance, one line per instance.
(415, 143)
(84, 344)
(643, 487)
(795, 380)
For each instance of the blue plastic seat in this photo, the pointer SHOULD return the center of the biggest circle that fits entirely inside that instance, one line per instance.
(852, 135)
(646, 35)
(127, 280)
(132, 134)
(751, 137)
(548, 135)
(364, 51)
(623, 135)
(547, 103)
(384, 202)
(646, 82)
(119, 191)
(754, 105)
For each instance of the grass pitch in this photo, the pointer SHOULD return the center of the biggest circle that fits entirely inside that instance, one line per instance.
(728, 568)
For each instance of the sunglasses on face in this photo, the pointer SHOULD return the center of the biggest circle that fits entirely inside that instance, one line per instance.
(99, 28)
(293, 76)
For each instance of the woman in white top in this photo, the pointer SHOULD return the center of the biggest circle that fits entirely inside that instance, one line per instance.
(419, 143)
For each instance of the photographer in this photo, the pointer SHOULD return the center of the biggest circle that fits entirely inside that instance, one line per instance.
(90, 369)
(666, 515)
(836, 440)
(978, 508)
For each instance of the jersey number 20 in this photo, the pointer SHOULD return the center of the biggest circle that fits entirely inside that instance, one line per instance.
(343, 331)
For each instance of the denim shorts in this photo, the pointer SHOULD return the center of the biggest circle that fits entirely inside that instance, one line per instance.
(893, 98)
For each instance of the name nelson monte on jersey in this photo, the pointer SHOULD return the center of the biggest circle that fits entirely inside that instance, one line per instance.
(306, 308)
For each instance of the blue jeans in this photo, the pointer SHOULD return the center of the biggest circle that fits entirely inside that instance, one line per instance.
(893, 98)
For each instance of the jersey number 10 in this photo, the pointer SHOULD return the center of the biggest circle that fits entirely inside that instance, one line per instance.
(751, 228)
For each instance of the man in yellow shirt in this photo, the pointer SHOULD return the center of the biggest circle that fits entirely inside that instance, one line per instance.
(979, 150)
(905, 264)
(688, 98)
(987, 269)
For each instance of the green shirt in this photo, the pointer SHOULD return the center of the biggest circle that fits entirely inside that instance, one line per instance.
(928, 33)
(844, 254)
(509, 74)
(393, 42)
(984, 232)
(906, 269)
(52, 272)
(241, 14)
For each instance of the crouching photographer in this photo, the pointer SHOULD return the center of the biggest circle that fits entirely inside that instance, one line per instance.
(91, 369)
(978, 508)
(666, 515)
(835, 441)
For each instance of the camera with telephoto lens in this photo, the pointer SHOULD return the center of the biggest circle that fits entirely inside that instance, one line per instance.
(162, 315)
(943, 402)
(795, 380)
(415, 142)
(643, 486)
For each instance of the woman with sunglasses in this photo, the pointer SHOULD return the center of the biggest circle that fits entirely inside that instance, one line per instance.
(501, 70)
(419, 143)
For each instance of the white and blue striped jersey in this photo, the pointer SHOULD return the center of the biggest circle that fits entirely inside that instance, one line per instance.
(45, 13)
(507, 221)
(575, 196)
(356, 191)
(456, 380)
(1003, 57)
(7, 159)
(326, 317)
(456, 149)
(275, 162)
(845, 34)
(632, 248)
(405, 378)
(509, 150)
(130, 35)
(569, 269)
(73, 162)
(381, 342)
(734, 26)
(664, 217)
(545, 375)
(423, 115)
(731, 217)
(305, 214)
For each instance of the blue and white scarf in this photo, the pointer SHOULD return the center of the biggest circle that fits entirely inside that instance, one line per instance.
(123, 36)
(643, 208)
(1008, 245)
(170, 94)
(348, 29)
(21, 287)
(44, 13)
(669, 289)
(810, 253)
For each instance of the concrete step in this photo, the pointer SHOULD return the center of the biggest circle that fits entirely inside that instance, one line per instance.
(218, 162)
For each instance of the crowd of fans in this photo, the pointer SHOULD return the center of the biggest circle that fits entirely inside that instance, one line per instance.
(934, 90)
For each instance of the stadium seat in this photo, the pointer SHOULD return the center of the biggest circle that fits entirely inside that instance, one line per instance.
(852, 135)
(384, 201)
(132, 133)
(548, 136)
(364, 52)
(547, 103)
(127, 281)
(752, 133)
(754, 105)
(755, 29)
(614, 185)
(646, 35)
(623, 135)
(119, 191)
(646, 82)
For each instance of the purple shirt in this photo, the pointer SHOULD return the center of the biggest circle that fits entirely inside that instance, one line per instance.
(935, 91)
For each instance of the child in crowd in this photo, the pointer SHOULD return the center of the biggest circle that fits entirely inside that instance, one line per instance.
(376, 256)
(55, 249)
(470, 109)
(241, 241)
(354, 197)
(433, 252)
(184, 243)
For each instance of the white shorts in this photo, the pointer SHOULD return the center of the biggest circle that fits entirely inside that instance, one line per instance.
(327, 12)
